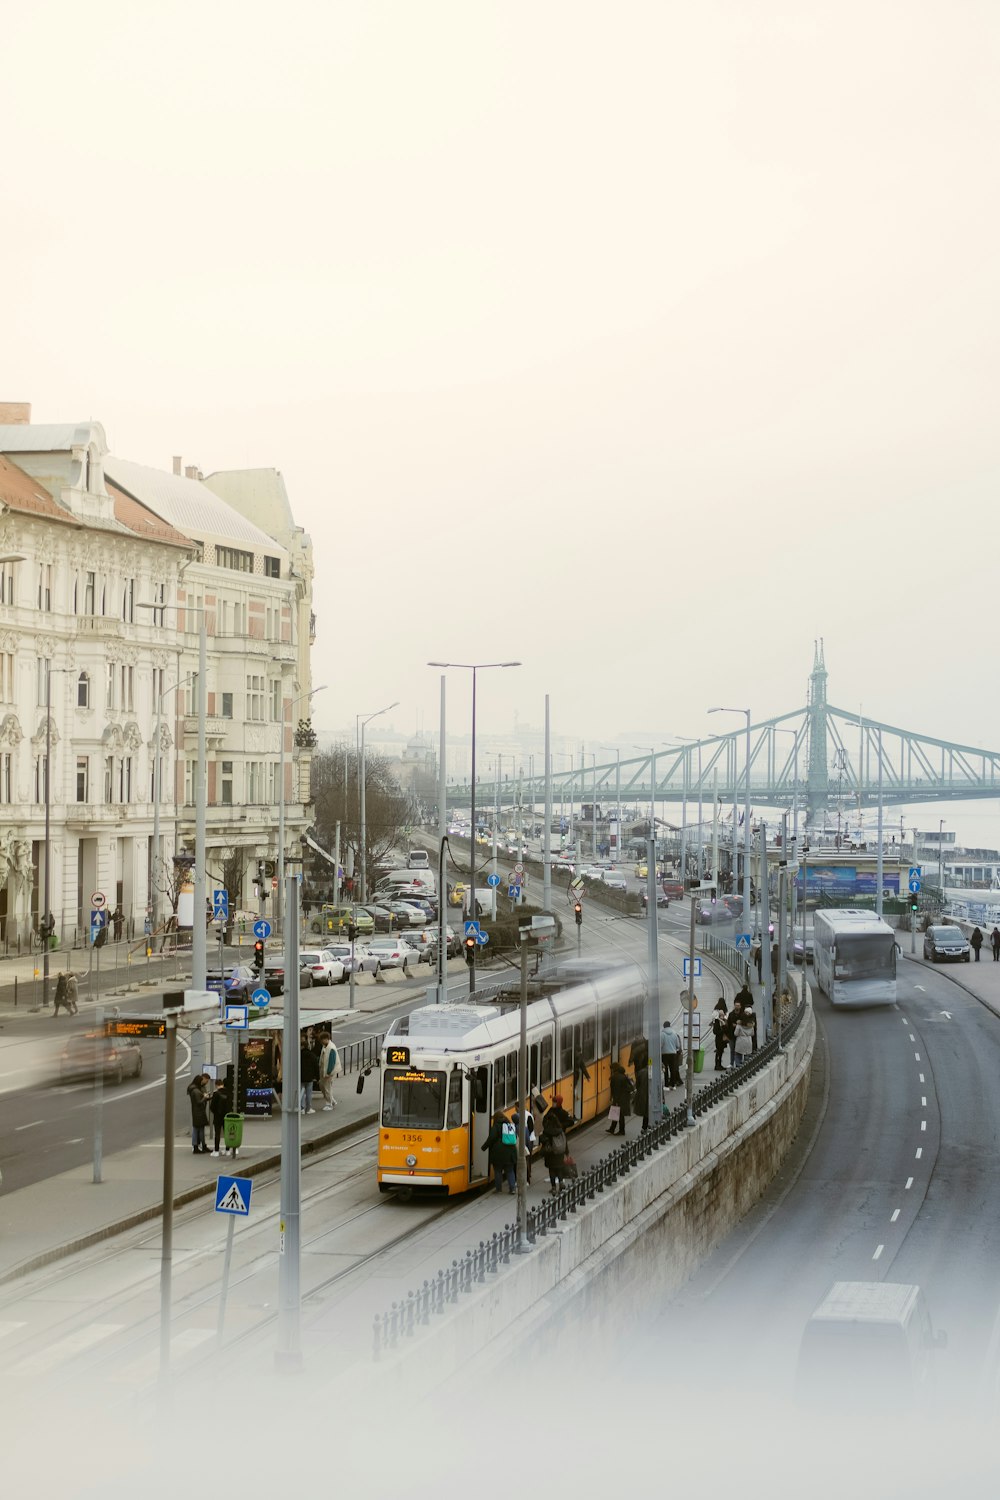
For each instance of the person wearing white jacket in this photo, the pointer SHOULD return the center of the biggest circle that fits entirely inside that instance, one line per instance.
(329, 1068)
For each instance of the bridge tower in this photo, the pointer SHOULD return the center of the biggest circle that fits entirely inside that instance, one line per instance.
(818, 783)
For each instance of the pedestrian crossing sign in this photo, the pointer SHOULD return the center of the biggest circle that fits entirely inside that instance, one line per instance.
(232, 1195)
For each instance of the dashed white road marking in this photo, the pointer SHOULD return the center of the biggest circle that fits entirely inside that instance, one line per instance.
(920, 1152)
(878, 1252)
(923, 1101)
(30, 1125)
(76, 1141)
(909, 1184)
(912, 1037)
(921, 1077)
(69, 1347)
(917, 1056)
(923, 1124)
(6, 1328)
(895, 1216)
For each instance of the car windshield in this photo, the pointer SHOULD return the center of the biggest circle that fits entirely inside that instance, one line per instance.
(413, 1099)
(949, 939)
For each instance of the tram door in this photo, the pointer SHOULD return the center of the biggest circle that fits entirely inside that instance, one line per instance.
(480, 1111)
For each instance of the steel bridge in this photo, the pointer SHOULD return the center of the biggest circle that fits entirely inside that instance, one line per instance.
(817, 757)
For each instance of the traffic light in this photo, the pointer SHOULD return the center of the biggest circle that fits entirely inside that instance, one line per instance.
(258, 956)
(914, 901)
(470, 950)
(578, 912)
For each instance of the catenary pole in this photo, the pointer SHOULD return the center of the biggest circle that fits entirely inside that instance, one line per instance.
(289, 1352)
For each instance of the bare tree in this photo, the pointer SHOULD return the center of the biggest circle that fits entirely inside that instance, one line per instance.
(335, 793)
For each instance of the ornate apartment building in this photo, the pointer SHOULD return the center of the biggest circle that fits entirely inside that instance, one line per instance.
(106, 568)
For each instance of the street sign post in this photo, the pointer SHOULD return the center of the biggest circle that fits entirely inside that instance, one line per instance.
(237, 1017)
(914, 879)
(261, 998)
(744, 943)
(98, 900)
(493, 880)
(262, 930)
(220, 906)
(232, 1197)
(686, 967)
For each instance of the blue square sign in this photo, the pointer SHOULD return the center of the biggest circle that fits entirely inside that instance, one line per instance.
(232, 1195)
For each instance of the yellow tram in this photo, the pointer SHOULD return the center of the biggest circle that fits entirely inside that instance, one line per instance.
(445, 1069)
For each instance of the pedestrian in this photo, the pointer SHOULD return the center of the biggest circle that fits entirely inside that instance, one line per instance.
(732, 1021)
(750, 1019)
(640, 1104)
(329, 1060)
(995, 943)
(554, 1143)
(309, 1076)
(670, 1056)
(219, 1108)
(744, 996)
(530, 1139)
(743, 1038)
(621, 1093)
(501, 1144)
(118, 921)
(757, 961)
(977, 942)
(720, 1031)
(197, 1094)
(59, 997)
(72, 993)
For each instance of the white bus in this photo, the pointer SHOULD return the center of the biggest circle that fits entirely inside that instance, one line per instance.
(854, 954)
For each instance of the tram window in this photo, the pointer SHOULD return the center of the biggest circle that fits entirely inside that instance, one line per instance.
(589, 1040)
(545, 1056)
(533, 1066)
(511, 1078)
(565, 1050)
(413, 1099)
(479, 1083)
(454, 1116)
(606, 1032)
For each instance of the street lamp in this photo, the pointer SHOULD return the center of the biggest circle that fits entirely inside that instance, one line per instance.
(153, 892)
(361, 779)
(281, 808)
(655, 1074)
(618, 799)
(474, 668)
(746, 813)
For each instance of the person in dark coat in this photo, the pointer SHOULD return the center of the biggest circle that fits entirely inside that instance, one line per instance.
(501, 1143)
(309, 1063)
(621, 1093)
(995, 943)
(60, 998)
(976, 940)
(554, 1143)
(530, 1140)
(720, 1031)
(640, 1104)
(732, 1020)
(219, 1109)
(118, 922)
(744, 996)
(196, 1092)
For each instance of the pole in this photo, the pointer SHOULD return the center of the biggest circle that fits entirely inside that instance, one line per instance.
(153, 893)
(782, 898)
(336, 865)
(684, 818)
(167, 1237)
(522, 1094)
(618, 806)
(198, 927)
(225, 1277)
(746, 828)
(653, 977)
(472, 854)
(47, 888)
(940, 856)
(593, 812)
(289, 1352)
(701, 825)
(879, 874)
(689, 1074)
(547, 833)
(442, 781)
(764, 904)
(442, 953)
(279, 895)
(805, 892)
(99, 1081)
(364, 832)
(715, 830)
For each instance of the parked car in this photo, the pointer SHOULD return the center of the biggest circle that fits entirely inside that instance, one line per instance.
(453, 945)
(236, 981)
(335, 920)
(394, 953)
(274, 974)
(326, 967)
(407, 915)
(380, 917)
(946, 944)
(117, 1057)
(797, 950)
(363, 961)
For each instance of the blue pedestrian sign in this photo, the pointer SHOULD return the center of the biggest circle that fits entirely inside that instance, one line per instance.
(687, 968)
(743, 943)
(472, 927)
(915, 871)
(232, 1195)
(261, 998)
(220, 906)
(493, 880)
(513, 892)
(262, 929)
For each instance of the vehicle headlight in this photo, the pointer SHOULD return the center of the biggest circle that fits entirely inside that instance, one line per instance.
(411, 1161)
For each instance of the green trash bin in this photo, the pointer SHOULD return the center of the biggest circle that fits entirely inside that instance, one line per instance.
(699, 1059)
(232, 1132)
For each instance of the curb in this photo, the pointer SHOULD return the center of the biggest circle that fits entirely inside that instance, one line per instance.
(189, 1195)
(994, 1010)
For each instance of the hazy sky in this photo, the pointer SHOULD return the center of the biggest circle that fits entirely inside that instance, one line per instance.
(641, 342)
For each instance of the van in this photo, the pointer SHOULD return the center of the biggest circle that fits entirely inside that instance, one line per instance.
(868, 1345)
(417, 859)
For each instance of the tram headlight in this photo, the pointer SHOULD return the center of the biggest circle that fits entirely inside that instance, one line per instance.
(411, 1161)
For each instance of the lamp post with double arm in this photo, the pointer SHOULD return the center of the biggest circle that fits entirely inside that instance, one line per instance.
(280, 913)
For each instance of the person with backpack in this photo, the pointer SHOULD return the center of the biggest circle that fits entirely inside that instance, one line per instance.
(501, 1143)
(554, 1142)
(329, 1061)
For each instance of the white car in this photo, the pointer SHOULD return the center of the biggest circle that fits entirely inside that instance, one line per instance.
(364, 962)
(326, 967)
(413, 916)
(393, 952)
(614, 880)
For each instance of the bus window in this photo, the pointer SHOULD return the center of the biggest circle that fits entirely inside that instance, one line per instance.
(589, 1040)
(565, 1050)
(454, 1113)
(545, 1074)
(533, 1066)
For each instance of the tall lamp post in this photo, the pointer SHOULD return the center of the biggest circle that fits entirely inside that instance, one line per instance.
(618, 800)
(361, 793)
(153, 893)
(302, 698)
(474, 668)
(746, 812)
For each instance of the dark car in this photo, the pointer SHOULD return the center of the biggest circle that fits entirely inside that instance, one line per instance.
(384, 920)
(118, 1057)
(237, 982)
(734, 905)
(946, 945)
(274, 974)
(797, 950)
(707, 912)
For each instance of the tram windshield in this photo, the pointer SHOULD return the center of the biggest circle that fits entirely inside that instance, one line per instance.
(865, 957)
(413, 1099)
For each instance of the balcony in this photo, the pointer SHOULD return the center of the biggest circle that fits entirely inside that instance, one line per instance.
(216, 729)
(102, 626)
(253, 646)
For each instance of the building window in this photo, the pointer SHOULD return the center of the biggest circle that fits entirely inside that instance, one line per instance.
(189, 766)
(125, 779)
(41, 777)
(82, 779)
(109, 779)
(6, 677)
(159, 597)
(157, 685)
(255, 700)
(273, 782)
(6, 776)
(272, 622)
(45, 586)
(239, 619)
(227, 705)
(83, 691)
(276, 700)
(229, 557)
(128, 601)
(7, 582)
(272, 567)
(42, 680)
(255, 780)
(89, 592)
(110, 684)
(222, 609)
(127, 685)
(226, 793)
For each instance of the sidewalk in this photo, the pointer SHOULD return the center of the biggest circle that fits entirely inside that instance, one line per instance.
(981, 980)
(68, 1211)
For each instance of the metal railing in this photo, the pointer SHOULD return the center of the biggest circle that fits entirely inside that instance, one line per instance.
(356, 1056)
(403, 1318)
(728, 955)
